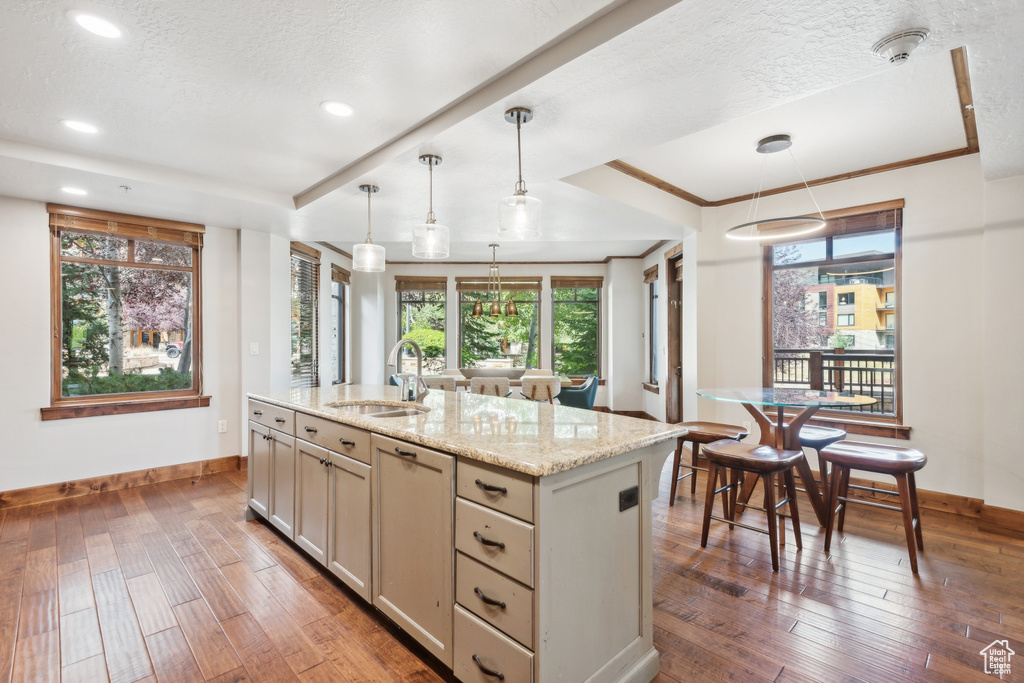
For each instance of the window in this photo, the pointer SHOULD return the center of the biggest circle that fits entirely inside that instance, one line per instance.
(125, 312)
(856, 259)
(651, 280)
(340, 279)
(305, 290)
(421, 317)
(576, 325)
(502, 340)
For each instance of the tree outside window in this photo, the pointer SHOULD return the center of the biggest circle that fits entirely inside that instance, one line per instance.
(576, 324)
(501, 341)
(421, 318)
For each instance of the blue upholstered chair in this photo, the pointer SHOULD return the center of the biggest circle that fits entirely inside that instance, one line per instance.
(582, 396)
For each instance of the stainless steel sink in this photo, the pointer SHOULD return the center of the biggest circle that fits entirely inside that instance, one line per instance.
(364, 408)
(401, 412)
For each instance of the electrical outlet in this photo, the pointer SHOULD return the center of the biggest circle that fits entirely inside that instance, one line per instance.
(254, 349)
(222, 426)
(746, 425)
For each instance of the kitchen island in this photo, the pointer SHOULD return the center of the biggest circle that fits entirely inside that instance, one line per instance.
(512, 539)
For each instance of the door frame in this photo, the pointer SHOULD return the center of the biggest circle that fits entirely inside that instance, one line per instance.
(674, 326)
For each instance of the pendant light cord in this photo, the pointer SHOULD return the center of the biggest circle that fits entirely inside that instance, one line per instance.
(806, 186)
(520, 186)
(368, 228)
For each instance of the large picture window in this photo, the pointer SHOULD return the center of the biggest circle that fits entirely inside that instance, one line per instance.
(305, 295)
(340, 279)
(125, 312)
(833, 314)
(421, 318)
(576, 325)
(502, 340)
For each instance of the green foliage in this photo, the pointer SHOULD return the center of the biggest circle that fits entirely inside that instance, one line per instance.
(840, 341)
(80, 384)
(431, 342)
(83, 318)
(575, 335)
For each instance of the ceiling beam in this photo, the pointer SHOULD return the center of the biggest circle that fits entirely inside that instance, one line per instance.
(596, 30)
(963, 89)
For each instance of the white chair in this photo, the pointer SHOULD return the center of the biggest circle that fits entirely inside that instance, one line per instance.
(538, 373)
(491, 386)
(541, 388)
(442, 383)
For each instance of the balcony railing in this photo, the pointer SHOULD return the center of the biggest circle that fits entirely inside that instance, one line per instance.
(867, 373)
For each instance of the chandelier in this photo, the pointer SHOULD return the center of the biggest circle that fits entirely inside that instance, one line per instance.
(494, 292)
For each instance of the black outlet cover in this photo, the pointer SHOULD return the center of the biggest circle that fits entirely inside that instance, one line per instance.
(629, 498)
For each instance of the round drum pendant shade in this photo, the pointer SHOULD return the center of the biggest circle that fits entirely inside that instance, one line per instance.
(519, 217)
(430, 241)
(368, 258)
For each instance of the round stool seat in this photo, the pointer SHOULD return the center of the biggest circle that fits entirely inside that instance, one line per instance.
(751, 457)
(873, 457)
(820, 437)
(706, 432)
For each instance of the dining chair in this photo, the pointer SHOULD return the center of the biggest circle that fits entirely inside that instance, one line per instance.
(582, 396)
(491, 386)
(442, 383)
(541, 388)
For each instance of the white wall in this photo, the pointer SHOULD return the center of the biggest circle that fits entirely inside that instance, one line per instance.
(37, 452)
(625, 295)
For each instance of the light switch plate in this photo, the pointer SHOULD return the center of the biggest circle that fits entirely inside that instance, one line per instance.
(254, 348)
(222, 426)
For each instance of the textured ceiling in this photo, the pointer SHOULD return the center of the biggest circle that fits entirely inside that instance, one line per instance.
(209, 111)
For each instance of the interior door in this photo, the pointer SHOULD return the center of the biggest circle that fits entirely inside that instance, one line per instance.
(674, 382)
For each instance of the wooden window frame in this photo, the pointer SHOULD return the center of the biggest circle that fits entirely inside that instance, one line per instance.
(850, 221)
(578, 283)
(404, 283)
(651, 280)
(130, 227)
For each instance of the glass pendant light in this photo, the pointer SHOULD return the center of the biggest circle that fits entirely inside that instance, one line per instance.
(430, 239)
(519, 215)
(368, 257)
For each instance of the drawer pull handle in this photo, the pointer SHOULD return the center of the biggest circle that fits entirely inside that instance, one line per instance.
(311, 430)
(322, 461)
(487, 600)
(490, 672)
(487, 541)
(492, 489)
(345, 442)
(408, 454)
(257, 412)
(279, 419)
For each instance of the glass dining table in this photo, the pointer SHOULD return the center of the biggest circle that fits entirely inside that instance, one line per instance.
(780, 433)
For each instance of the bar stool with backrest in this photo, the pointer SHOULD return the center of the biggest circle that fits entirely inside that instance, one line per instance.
(765, 462)
(819, 438)
(537, 372)
(895, 461)
(491, 386)
(446, 383)
(699, 433)
(537, 388)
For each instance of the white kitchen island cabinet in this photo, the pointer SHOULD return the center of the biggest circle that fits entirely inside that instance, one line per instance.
(511, 539)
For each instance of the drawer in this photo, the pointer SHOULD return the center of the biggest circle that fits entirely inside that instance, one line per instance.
(495, 487)
(334, 436)
(281, 419)
(478, 586)
(497, 540)
(479, 647)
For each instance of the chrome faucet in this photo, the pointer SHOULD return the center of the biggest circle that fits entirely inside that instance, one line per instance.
(394, 358)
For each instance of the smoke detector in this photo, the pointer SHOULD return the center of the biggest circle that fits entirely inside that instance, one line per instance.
(896, 48)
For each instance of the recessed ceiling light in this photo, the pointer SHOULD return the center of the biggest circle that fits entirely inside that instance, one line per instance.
(94, 24)
(74, 190)
(337, 108)
(80, 126)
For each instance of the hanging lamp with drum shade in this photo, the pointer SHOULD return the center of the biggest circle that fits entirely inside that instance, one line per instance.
(519, 215)
(368, 257)
(430, 239)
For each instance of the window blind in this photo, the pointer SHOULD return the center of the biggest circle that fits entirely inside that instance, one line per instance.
(651, 274)
(512, 284)
(409, 283)
(305, 287)
(339, 274)
(576, 282)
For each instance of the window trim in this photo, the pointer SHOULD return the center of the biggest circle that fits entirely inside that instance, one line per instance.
(106, 222)
(848, 221)
(651, 280)
(578, 283)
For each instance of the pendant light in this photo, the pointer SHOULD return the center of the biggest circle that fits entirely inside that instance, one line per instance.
(494, 292)
(368, 257)
(776, 228)
(430, 239)
(519, 215)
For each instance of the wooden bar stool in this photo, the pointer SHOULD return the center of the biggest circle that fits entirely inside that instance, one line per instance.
(895, 461)
(767, 463)
(699, 433)
(818, 438)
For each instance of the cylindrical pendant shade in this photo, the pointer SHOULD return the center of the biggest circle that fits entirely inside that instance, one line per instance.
(368, 258)
(430, 241)
(519, 217)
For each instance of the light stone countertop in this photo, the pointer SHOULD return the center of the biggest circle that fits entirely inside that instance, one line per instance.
(534, 438)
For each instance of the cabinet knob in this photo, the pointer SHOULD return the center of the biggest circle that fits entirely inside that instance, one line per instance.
(490, 672)
(487, 541)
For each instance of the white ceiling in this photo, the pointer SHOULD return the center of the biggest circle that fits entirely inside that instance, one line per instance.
(209, 110)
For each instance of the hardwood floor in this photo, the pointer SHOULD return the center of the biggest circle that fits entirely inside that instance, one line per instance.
(167, 582)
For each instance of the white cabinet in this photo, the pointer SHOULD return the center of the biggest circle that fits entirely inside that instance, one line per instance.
(282, 483)
(412, 524)
(312, 497)
(259, 468)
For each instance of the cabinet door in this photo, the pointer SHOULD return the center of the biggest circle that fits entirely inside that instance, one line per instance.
(312, 489)
(259, 469)
(412, 575)
(348, 527)
(282, 482)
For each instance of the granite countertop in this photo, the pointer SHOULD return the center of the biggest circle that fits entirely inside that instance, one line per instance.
(534, 438)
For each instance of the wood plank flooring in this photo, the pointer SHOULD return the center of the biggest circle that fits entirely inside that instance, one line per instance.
(167, 582)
